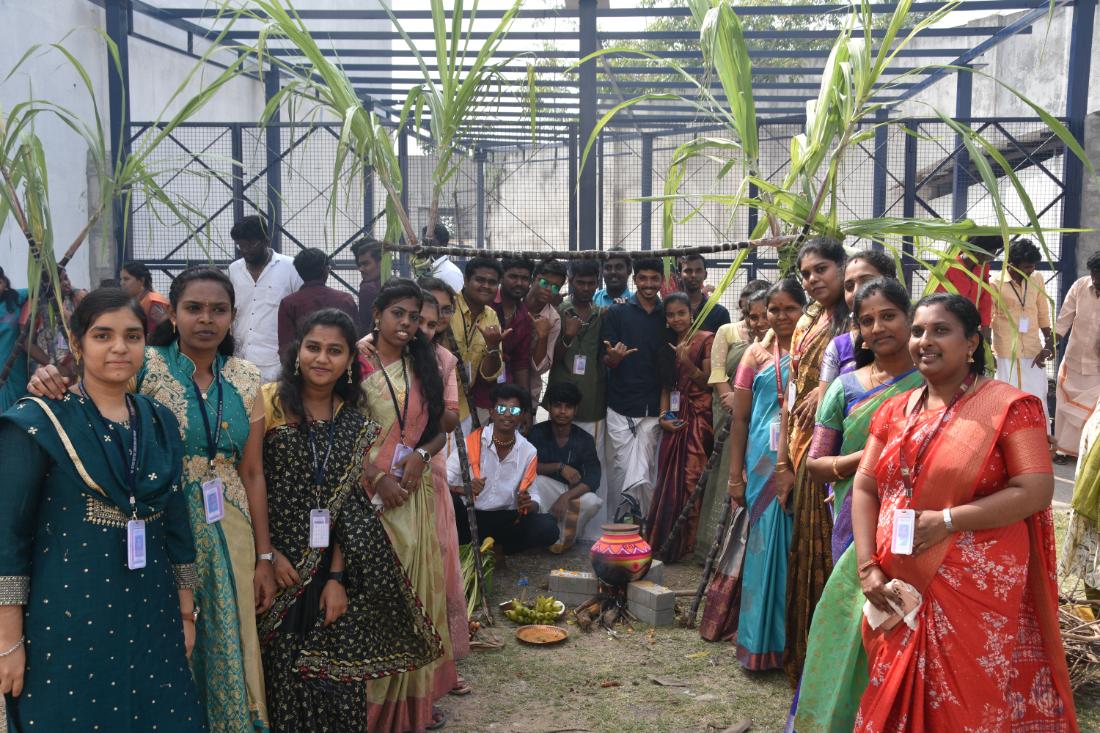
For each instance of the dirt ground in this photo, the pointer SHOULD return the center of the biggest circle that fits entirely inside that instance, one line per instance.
(603, 683)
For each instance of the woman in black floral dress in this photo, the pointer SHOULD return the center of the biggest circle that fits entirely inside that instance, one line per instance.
(345, 611)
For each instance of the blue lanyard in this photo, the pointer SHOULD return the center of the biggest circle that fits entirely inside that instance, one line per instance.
(212, 437)
(129, 463)
(319, 467)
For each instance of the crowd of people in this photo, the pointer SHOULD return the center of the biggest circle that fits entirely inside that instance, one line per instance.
(253, 492)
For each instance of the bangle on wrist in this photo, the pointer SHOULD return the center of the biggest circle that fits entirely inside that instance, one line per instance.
(947, 520)
(864, 567)
(12, 650)
(192, 615)
(836, 470)
(377, 477)
(782, 466)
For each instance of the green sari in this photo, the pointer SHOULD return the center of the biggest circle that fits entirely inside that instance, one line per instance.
(226, 661)
(835, 672)
(104, 644)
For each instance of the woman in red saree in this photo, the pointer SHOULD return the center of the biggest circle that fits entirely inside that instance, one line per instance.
(969, 456)
(687, 422)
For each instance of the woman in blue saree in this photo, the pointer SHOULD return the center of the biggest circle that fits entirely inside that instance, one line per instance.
(746, 599)
(835, 674)
(96, 554)
(190, 369)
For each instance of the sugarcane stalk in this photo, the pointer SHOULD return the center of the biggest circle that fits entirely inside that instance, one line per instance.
(700, 489)
(712, 556)
(436, 251)
(464, 466)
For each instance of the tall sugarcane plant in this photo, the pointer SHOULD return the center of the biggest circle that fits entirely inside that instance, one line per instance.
(845, 113)
(24, 181)
(469, 84)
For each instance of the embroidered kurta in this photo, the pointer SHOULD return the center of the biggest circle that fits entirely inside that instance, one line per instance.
(104, 643)
(226, 660)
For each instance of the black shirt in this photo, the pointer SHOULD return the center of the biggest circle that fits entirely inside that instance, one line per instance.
(578, 452)
(633, 387)
(717, 317)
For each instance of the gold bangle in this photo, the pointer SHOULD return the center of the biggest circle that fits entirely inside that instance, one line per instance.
(782, 466)
(836, 472)
(377, 477)
(736, 483)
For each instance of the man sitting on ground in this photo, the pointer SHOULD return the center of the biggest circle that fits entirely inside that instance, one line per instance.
(503, 468)
(569, 468)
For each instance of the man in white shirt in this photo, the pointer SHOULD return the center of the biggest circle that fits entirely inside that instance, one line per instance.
(503, 469)
(442, 267)
(261, 279)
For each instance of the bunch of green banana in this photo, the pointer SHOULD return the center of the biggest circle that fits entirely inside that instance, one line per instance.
(544, 610)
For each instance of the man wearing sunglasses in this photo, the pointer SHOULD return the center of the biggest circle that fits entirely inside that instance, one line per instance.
(503, 469)
(542, 303)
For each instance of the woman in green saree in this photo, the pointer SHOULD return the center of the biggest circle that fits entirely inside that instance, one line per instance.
(345, 612)
(821, 265)
(190, 369)
(835, 673)
(96, 555)
(403, 392)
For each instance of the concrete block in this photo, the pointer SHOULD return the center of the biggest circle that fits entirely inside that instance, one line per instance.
(650, 595)
(572, 600)
(652, 617)
(572, 582)
(656, 573)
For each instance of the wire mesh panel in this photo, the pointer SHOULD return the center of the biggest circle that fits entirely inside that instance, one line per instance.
(527, 192)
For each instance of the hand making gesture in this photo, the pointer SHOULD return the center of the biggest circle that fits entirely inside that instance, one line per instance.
(683, 355)
(615, 354)
(493, 336)
(571, 325)
(542, 325)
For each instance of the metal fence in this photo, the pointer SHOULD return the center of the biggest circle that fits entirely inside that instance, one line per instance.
(525, 197)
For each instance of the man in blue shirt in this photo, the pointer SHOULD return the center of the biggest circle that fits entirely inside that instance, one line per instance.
(616, 271)
(569, 466)
(633, 334)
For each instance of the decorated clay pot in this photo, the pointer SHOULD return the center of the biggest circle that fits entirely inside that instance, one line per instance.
(620, 555)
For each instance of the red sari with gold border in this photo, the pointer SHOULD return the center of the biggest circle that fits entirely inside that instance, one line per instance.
(987, 652)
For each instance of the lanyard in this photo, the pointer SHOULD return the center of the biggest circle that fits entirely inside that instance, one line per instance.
(467, 329)
(129, 463)
(1017, 292)
(908, 476)
(319, 467)
(778, 376)
(402, 413)
(212, 437)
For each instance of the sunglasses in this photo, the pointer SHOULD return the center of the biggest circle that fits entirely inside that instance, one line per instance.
(552, 287)
(514, 410)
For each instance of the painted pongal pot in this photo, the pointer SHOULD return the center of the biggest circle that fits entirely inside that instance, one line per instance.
(620, 555)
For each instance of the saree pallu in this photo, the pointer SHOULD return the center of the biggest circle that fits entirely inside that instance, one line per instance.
(317, 675)
(457, 620)
(1081, 548)
(835, 672)
(226, 660)
(682, 457)
(403, 702)
(713, 500)
(987, 652)
(810, 560)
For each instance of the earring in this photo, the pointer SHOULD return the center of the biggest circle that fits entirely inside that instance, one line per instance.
(970, 358)
(173, 328)
(349, 372)
(297, 363)
(863, 345)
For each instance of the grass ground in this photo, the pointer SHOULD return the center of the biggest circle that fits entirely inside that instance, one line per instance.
(603, 683)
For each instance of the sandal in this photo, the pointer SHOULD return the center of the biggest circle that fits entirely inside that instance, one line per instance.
(461, 688)
(439, 719)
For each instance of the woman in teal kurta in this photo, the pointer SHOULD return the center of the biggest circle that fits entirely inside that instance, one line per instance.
(105, 644)
(196, 355)
(11, 306)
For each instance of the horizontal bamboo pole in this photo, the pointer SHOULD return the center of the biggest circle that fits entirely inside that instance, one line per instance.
(589, 254)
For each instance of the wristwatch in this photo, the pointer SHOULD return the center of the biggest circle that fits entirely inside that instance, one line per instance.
(424, 455)
(269, 556)
(337, 575)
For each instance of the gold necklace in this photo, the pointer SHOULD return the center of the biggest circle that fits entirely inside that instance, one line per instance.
(501, 444)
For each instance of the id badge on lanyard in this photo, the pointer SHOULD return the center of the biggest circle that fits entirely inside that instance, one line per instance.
(320, 524)
(580, 361)
(135, 544)
(397, 470)
(213, 500)
(905, 526)
(773, 436)
(674, 400)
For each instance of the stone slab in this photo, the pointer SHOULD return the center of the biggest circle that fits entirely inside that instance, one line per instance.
(650, 595)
